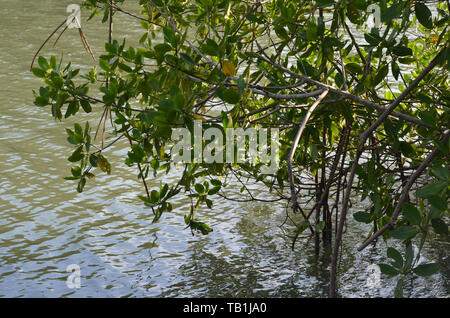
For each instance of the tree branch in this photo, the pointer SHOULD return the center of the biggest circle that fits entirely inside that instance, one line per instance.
(294, 147)
(404, 195)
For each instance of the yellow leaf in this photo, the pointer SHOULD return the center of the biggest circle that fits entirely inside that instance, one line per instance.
(228, 69)
(199, 117)
(434, 39)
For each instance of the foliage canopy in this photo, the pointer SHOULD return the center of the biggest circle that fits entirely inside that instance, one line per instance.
(363, 111)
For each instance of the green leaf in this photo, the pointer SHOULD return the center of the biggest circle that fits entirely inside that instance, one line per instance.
(77, 155)
(407, 149)
(169, 36)
(214, 190)
(354, 68)
(71, 178)
(388, 270)
(38, 72)
(396, 256)
(381, 74)
(146, 200)
(438, 202)
(411, 213)
(199, 188)
(362, 216)
(81, 184)
(442, 173)
(395, 69)
(302, 226)
(154, 196)
(409, 256)
(242, 84)
(311, 32)
(110, 48)
(398, 291)
(428, 118)
(78, 129)
(93, 160)
(72, 109)
(41, 101)
(76, 172)
(209, 50)
(431, 189)
(372, 39)
(229, 95)
(319, 226)
(404, 232)
(162, 48)
(104, 65)
(389, 127)
(204, 228)
(187, 59)
(439, 226)
(423, 14)
(86, 106)
(392, 12)
(324, 3)
(42, 61)
(163, 191)
(426, 269)
(125, 68)
(402, 51)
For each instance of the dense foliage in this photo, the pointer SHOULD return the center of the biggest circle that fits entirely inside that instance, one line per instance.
(363, 112)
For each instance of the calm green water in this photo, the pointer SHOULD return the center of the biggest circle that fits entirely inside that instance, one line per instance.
(46, 226)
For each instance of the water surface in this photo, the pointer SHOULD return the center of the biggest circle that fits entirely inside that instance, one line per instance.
(46, 226)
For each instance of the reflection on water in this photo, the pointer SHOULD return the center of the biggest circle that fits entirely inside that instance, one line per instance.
(46, 226)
